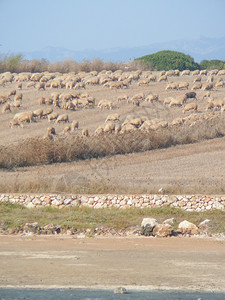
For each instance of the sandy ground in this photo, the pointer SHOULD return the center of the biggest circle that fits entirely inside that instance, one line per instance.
(146, 263)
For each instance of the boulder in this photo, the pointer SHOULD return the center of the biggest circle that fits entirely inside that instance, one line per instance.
(162, 230)
(186, 227)
(148, 225)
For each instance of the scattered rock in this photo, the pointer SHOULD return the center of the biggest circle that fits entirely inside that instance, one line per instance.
(31, 227)
(148, 225)
(162, 230)
(169, 221)
(120, 290)
(186, 227)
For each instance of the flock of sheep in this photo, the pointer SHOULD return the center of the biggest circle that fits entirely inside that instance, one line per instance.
(58, 97)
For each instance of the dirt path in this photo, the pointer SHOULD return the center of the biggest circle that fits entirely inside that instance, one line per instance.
(185, 263)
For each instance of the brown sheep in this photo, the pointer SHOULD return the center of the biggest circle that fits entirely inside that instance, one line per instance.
(74, 125)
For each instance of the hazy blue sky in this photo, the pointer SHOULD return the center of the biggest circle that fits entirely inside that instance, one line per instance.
(28, 25)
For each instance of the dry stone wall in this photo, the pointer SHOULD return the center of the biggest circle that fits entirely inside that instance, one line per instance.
(186, 202)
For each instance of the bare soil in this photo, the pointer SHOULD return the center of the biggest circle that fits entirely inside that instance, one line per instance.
(176, 263)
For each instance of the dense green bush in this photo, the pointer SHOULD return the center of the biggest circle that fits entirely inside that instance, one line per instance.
(212, 64)
(168, 60)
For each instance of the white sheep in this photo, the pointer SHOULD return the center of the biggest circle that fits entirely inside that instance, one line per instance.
(74, 125)
(62, 118)
(52, 116)
(6, 108)
(112, 117)
(190, 106)
(26, 116)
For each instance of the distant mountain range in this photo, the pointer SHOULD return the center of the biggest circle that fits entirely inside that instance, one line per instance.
(199, 49)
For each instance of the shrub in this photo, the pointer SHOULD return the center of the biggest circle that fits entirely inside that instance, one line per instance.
(168, 60)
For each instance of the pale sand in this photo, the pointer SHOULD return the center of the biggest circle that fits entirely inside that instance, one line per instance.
(191, 264)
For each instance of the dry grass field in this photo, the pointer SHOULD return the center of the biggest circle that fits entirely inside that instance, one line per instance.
(192, 159)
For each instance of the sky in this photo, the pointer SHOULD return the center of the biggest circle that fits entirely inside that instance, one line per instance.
(28, 25)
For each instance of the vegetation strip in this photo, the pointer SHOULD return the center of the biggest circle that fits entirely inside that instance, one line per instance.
(15, 218)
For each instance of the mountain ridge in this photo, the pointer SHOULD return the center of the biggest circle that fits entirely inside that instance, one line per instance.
(200, 49)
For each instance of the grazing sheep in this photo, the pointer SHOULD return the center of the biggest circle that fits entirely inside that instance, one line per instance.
(210, 79)
(117, 128)
(47, 111)
(190, 95)
(151, 98)
(18, 96)
(207, 94)
(190, 106)
(12, 93)
(139, 96)
(67, 129)
(48, 101)
(85, 132)
(144, 82)
(26, 116)
(109, 127)
(6, 108)
(17, 104)
(176, 102)
(3, 99)
(52, 116)
(168, 100)
(197, 86)
(74, 125)
(55, 95)
(196, 72)
(19, 86)
(51, 130)
(209, 106)
(62, 118)
(185, 72)
(99, 130)
(38, 113)
(207, 87)
(183, 85)
(30, 84)
(137, 122)
(112, 117)
(41, 100)
(219, 84)
(172, 86)
(127, 128)
(221, 72)
(105, 104)
(15, 122)
(218, 103)
(214, 72)
(162, 78)
(198, 79)
(177, 121)
(40, 85)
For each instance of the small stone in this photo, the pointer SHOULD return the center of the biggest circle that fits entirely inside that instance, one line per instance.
(120, 290)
